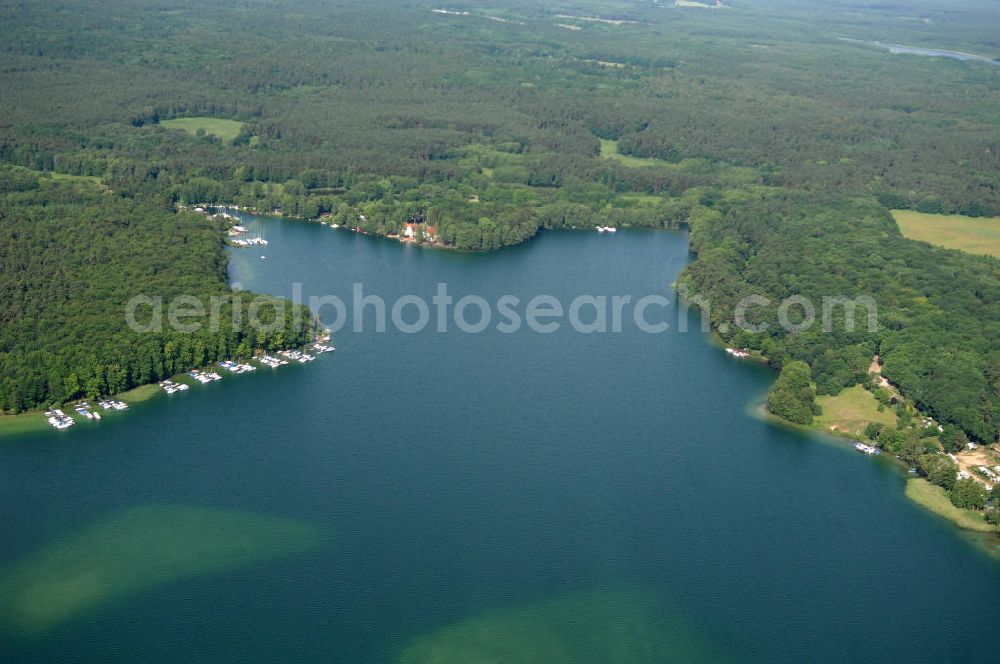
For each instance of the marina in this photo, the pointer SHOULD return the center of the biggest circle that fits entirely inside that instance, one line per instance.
(84, 409)
(59, 420)
(237, 368)
(297, 356)
(241, 240)
(204, 376)
(271, 361)
(170, 387)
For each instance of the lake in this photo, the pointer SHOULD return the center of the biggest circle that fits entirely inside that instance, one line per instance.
(455, 497)
(901, 49)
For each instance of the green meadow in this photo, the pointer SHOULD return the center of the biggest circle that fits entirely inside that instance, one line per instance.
(850, 411)
(975, 235)
(609, 150)
(935, 499)
(225, 130)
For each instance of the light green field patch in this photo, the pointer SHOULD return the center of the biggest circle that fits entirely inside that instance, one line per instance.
(225, 130)
(605, 626)
(88, 180)
(850, 411)
(139, 394)
(609, 150)
(935, 499)
(83, 179)
(133, 551)
(976, 235)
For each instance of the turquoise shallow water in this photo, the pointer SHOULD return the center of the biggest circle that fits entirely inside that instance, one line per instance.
(433, 497)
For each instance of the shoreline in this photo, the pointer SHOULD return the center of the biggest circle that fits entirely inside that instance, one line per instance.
(917, 489)
(34, 421)
(926, 497)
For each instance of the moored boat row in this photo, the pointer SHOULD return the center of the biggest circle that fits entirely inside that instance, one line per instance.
(271, 361)
(204, 376)
(297, 355)
(59, 420)
(236, 367)
(170, 387)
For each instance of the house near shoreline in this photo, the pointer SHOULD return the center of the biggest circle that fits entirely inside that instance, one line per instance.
(416, 230)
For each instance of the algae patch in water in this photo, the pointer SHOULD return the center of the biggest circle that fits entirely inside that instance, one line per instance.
(604, 626)
(135, 550)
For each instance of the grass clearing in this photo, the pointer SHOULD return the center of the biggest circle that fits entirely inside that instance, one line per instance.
(225, 130)
(89, 180)
(609, 150)
(935, 499)
(850, 412)
(81, 179)
(975, 235)
(139, 394)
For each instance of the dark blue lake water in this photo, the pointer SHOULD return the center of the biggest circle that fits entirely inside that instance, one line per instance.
(475, 497)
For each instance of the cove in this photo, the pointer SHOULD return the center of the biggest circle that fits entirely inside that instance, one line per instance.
(484, 487)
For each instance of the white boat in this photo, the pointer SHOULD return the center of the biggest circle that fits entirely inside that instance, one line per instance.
(866, 449)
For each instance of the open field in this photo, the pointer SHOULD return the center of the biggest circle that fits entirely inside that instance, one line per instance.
(86, 179)
(976, 235)
(609, 150)
(850, 411)
(935, 499)
(225, 130)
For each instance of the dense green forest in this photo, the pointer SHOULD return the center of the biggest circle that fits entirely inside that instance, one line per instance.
(778, 141)
(72, 256)
(938, 310)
